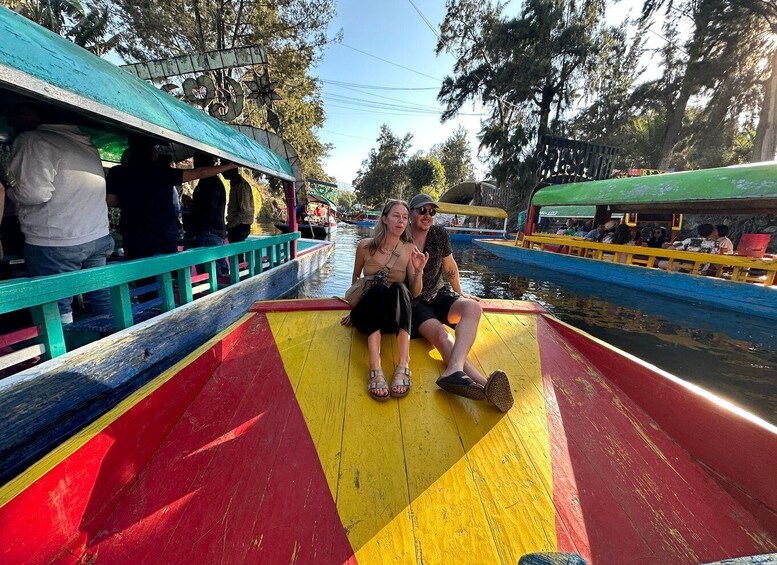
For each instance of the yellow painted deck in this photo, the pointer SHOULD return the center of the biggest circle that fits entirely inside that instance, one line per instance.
(265, 447)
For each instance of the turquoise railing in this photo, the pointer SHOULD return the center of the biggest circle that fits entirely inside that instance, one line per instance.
(40, 295)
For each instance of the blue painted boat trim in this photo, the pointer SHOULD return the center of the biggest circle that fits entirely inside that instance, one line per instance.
(740, 297)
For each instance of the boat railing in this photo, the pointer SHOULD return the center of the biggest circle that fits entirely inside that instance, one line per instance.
(730, 267)
(177, 283)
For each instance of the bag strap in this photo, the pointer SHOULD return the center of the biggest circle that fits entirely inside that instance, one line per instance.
(394, 255)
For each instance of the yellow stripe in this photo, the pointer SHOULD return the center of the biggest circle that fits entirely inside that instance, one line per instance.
(466, 210)
(19, 483)
(431, 477)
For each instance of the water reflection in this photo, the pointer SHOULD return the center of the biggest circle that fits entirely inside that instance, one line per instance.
(731, 354)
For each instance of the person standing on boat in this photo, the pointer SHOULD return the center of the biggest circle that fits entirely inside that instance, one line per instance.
(59, 187)
(385, 307)
(208, 207)
(240, 208)
(142, 189)
(440, 304)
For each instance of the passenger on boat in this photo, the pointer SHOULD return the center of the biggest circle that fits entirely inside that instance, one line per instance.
(609, 231)
(658, 238)
(440, 304)
(240, 208)
(208, 210)
(583, 230)
(59, 187)
(705, 243)
(597, 234)
(142, 189)
(725, 245)
(393, 262)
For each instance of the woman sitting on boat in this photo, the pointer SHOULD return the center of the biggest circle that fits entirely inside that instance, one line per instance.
(658, 239)
(391, 260)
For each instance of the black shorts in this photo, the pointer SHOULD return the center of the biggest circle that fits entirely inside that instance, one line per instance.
(438, 308)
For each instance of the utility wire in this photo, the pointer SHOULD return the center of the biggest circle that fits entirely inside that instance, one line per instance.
(390, 63)
(420, 106)
(428, 24)
(375, 87)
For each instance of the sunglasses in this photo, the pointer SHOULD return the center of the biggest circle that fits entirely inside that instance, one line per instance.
(424, 211)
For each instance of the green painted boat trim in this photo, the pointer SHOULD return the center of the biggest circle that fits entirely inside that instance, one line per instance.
(41, 64)
(742, 188)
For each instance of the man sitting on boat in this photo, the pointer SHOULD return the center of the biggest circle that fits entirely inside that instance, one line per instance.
(440, 304)
(706, 242)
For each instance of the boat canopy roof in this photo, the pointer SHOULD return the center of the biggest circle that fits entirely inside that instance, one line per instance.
(37, 63)
(313, 197)
(465, 210)
(741, 189)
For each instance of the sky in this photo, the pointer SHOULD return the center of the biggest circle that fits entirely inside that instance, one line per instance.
(388, 44)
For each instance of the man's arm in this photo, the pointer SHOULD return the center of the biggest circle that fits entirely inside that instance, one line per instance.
(33, 167)
(451, 271)
(205, 172)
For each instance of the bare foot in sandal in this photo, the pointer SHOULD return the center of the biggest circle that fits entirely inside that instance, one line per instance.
(400, 384)
(377, 387)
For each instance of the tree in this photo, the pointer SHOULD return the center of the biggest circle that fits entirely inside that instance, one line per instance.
(721, 59)
(292, 31)
(524, 70)
(426, 174)
(383, 174)
(455, 154)
(86, 26)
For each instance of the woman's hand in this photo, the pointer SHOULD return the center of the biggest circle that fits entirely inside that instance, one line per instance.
(470, 296)
(419, 260)
(345, 320)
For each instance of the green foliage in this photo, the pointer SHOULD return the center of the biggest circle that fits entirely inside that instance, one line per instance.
(293, 32)
(524, 70)
(455, 154)
(383, 174)
(426, 174)
(83, 24)
(345, 200)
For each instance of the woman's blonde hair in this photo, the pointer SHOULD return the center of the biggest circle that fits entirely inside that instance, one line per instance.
(379, 233)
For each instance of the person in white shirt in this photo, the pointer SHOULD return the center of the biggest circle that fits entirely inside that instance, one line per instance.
(725, 245)
(59, 188)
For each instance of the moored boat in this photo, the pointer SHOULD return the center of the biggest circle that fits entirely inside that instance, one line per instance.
(263, 445)
(461, 233)
(739, 282)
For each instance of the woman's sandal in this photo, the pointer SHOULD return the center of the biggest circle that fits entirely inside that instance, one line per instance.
(498, 391)
(401, 378)
(376, 384)
(459, 383)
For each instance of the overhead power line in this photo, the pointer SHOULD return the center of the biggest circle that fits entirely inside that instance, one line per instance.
(427, 22)
(390, 62)
(376, 87)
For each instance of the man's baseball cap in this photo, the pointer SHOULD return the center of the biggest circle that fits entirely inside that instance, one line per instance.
(421, 200)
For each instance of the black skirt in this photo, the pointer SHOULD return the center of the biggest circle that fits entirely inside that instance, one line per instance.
(384, 309)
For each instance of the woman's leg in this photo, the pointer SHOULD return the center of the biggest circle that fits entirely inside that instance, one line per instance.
(403, 344)
(376, 373)
(373, 345)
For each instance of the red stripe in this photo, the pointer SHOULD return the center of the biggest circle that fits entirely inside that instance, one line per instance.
(638, 493)
(508, 306)
(18, 336)
(63, 509)
(733, 446)
(237, 480)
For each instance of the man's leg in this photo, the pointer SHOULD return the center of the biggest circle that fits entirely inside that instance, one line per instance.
(41, 261)
(465, 315)
(435, 333)
(100, 300)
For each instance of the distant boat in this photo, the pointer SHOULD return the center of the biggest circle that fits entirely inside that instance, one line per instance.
(364, 220)
(315, 231)
(745, 281)
(460, 233)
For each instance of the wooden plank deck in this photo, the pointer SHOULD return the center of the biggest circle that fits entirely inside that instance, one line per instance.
(281, 456)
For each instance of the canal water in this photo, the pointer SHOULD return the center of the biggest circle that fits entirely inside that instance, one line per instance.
(732, 355)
